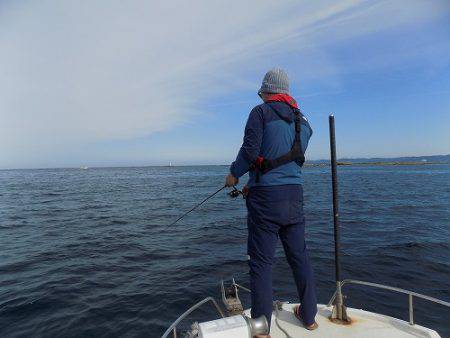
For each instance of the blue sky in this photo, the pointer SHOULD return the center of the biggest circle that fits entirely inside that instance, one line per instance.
(108, 83)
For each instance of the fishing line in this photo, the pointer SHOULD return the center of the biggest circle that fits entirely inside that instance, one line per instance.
(199, 204)
(233, 194)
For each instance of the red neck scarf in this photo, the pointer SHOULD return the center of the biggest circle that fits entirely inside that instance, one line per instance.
(286, 98)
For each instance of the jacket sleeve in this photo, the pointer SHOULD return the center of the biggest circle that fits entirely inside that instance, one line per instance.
(251, 146)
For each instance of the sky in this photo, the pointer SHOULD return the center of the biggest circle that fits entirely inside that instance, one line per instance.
(125, 83)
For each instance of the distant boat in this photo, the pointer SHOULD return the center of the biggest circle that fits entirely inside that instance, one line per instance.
(84, 168)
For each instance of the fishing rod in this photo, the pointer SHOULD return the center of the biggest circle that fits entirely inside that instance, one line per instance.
(233, 194)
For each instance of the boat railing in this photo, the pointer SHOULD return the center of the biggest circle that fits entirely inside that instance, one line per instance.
(410, 294)
(173, 328)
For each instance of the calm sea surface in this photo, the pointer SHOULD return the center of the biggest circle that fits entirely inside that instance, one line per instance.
(88, 253)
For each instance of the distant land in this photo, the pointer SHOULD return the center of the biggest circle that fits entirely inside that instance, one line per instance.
(405, 160)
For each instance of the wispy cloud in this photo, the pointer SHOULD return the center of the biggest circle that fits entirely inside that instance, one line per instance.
(75, 73)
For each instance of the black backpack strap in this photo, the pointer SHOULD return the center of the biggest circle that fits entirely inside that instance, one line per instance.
(295, 154)
(300, 155)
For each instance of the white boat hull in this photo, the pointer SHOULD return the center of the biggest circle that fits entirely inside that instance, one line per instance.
(364, 325)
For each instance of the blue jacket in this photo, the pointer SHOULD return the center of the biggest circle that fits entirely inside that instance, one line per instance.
(270, 136)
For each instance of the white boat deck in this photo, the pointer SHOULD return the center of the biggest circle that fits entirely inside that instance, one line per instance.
(364, 325)
(284, 324)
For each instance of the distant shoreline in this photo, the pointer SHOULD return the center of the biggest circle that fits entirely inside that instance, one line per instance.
(310, 165)
(373, 164)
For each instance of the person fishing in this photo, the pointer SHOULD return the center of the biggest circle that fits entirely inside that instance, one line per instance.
(275, 141)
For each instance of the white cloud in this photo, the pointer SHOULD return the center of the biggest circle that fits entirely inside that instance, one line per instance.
(78, 72)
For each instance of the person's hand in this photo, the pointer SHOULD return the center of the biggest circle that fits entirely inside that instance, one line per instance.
(230, 180)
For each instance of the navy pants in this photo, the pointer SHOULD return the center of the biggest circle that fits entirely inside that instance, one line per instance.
(277, 211)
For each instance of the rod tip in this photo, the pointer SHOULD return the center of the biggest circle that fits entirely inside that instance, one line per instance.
(332, 115)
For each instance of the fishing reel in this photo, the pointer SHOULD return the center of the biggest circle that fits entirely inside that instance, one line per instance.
(236, 192)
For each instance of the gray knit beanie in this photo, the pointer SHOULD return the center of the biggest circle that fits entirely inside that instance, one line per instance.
(275, 81)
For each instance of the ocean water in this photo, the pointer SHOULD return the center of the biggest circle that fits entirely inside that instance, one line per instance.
(88, 253)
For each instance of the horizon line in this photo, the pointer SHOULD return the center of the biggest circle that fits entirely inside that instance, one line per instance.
(212, 164)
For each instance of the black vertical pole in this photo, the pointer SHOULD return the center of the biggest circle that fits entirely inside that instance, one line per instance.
(335, 199)
(339, 313)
